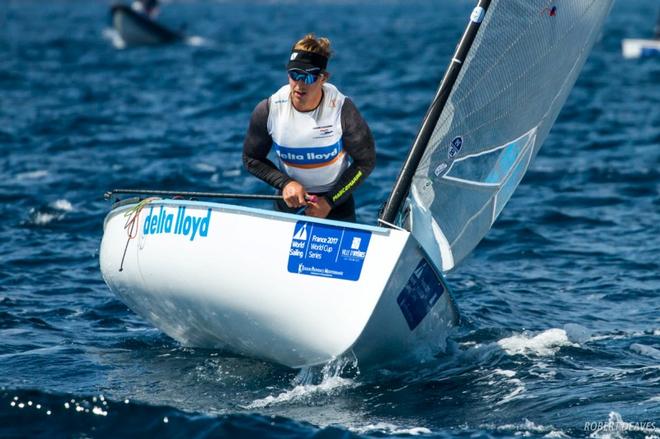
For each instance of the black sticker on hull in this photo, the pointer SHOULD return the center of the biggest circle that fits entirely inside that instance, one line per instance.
(420, 294)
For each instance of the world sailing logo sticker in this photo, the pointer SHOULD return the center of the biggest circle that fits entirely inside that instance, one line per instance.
(455, 147)
(301, 234)
(328, 251)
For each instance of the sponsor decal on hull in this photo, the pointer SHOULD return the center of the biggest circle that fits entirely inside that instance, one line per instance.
(328, 251)
(177, 223)
(420, 294)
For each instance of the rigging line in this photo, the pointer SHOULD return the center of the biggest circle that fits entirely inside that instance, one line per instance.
(391, 225)
(109, 194)
(133, 215)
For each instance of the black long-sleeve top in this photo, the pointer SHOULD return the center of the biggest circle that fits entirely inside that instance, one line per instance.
(357, 141)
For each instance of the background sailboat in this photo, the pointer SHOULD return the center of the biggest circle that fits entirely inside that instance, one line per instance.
(642, 48)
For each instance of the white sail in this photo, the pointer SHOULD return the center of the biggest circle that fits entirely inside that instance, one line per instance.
(517, 75)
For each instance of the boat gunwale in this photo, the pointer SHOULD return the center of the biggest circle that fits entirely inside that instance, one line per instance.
(233, 208)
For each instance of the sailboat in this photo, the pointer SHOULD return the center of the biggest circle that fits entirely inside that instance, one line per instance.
(135, 28)
(633, 48)
(302, 291)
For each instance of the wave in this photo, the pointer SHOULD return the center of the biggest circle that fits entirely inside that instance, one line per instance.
(647, 351)
(304, 390)
(547, 343)
(53, 212)
(34, 413)
(38, 174)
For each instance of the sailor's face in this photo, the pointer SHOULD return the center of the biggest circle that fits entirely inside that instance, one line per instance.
(306, 96)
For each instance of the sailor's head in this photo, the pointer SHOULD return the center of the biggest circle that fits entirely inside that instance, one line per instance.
(307, 69)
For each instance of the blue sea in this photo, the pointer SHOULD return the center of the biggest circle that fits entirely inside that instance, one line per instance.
(560, 333)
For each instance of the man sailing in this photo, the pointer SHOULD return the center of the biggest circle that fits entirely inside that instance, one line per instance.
(324, 146)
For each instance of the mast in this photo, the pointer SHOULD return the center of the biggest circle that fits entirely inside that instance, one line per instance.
(403, 182)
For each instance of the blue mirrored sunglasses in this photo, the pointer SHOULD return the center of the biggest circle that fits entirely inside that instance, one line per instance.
(300, 75)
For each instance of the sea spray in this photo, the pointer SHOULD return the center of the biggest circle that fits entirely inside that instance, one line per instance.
(315, 381)
(345, 366)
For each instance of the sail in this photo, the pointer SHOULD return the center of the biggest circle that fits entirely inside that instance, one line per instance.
(516, 76)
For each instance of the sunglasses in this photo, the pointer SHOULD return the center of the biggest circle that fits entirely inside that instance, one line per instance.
(301, 75)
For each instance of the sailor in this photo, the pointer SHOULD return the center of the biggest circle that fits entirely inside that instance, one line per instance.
(147, 7)
(325, 148)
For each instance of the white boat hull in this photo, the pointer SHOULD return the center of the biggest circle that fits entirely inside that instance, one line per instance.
(640, 48)
(289, 289)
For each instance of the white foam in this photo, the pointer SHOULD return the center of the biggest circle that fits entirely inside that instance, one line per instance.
(54, 212)
(531, 426)
(196, 41)
(231, 172)
(528, 427)
(303, 392)
(32, 175)
(546, 343)
(610, 337)
(205, 167)
(515, 393)
(42, 218)
(113, 36)
(63, 205)
(390, 429)
(305, 386)
(506, 373)
(98, 411)
(621, 335)
(543, 370)
(518, 390)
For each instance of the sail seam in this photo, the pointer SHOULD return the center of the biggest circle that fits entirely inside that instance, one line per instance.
(493, 199)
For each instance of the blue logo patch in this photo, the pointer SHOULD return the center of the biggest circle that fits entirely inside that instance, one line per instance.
(420, 294)
(455, 147)
(328, 251)
(308, 157)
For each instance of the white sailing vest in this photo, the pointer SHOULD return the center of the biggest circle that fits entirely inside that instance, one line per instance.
(309, 144)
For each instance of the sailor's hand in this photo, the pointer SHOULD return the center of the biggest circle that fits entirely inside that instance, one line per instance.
(294, 194)
(319, 208)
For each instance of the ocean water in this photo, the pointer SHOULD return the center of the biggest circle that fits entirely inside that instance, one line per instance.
(560, 303)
